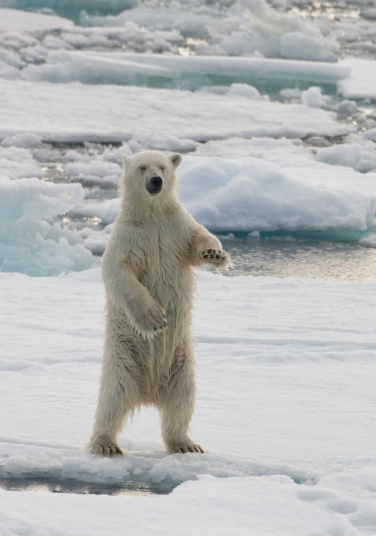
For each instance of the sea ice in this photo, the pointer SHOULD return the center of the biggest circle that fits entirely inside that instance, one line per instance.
(23, 21)
(284, 408)
(361, 82)
(93, 113)
(30, 241)
(361, 157)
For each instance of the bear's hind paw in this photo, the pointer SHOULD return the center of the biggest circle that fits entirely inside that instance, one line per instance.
(106, 448)
(186, 446)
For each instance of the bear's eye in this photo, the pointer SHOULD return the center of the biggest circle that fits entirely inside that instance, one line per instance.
(142, 168)
(162, 168)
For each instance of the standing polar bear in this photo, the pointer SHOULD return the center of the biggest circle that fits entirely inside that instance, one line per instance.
(148, 277)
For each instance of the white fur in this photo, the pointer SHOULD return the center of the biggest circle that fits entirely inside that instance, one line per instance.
(147, 272)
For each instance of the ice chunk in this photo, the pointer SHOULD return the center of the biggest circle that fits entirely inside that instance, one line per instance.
(300, 46)
(24, 21)
(361, 82)
(249, 194)
(361, 157)
(313, 98)
(93, 114)
(29, 241)
(369, 241)
(194, 71)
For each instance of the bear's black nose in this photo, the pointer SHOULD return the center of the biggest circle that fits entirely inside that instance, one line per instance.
(154, 185)
(156, 182)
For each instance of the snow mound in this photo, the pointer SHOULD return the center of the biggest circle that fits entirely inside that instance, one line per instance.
(249, 194)
(361, 157)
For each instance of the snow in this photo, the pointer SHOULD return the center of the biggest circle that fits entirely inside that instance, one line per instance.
(22, 21)
(93, 114)
(269, 505)
(361, 83)
(279, 187)
(361, 157)
(284, 409)
(248, 194)
(276, 125)
(30, 241)
(239, 28)
(125, 68)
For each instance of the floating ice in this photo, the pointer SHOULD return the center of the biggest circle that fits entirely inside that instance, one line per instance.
(181, 71)
(23, 21)
(29, 240)
(238, 28)
(313, 97)
(113, 113)
(294, 358)
(361, 82)
(361, 157)
(250, 194)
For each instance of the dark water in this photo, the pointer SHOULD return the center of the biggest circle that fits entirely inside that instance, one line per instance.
(301, 258)
(44, 485)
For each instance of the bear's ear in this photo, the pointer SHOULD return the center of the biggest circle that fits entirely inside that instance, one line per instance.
(126, 160)
(176, 159)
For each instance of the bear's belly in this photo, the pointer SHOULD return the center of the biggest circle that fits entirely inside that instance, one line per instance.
(172, 290)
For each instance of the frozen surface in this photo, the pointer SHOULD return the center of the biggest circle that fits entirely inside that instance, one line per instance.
(194, 71)
(113, 113)
(361, 82)
(30, 241)
(22, 21)
(50, 228)
(247, 194)
(284, 409)
(272, 104)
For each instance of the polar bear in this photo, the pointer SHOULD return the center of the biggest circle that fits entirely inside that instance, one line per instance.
(148, 277)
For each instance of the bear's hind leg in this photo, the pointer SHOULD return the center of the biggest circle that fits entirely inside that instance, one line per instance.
(118, 397)
(176, 406)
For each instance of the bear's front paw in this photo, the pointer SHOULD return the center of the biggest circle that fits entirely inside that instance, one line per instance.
(153, 321)
(218, 258)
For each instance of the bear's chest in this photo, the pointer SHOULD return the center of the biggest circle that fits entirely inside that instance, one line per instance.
(162, 260)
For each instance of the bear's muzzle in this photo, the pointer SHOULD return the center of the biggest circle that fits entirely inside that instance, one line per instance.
(154, 185)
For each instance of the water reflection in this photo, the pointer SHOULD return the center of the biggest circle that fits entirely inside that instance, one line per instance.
(290, 257)
(43, 485)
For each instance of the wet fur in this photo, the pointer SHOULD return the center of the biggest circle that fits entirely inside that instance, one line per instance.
(148, 277)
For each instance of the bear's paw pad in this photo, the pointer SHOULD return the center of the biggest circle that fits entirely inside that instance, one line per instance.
(217, 257)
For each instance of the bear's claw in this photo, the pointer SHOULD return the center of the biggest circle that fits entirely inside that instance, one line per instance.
(105, 448)
(153, 322)
(185, 447)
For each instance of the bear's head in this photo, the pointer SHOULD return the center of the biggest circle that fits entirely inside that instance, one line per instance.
(150, 173)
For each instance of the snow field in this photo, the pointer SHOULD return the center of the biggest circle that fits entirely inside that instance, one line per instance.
(280, 136)
(114, 113)
(284, 409)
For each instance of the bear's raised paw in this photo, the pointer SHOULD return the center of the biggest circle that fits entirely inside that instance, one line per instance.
(216, 257)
